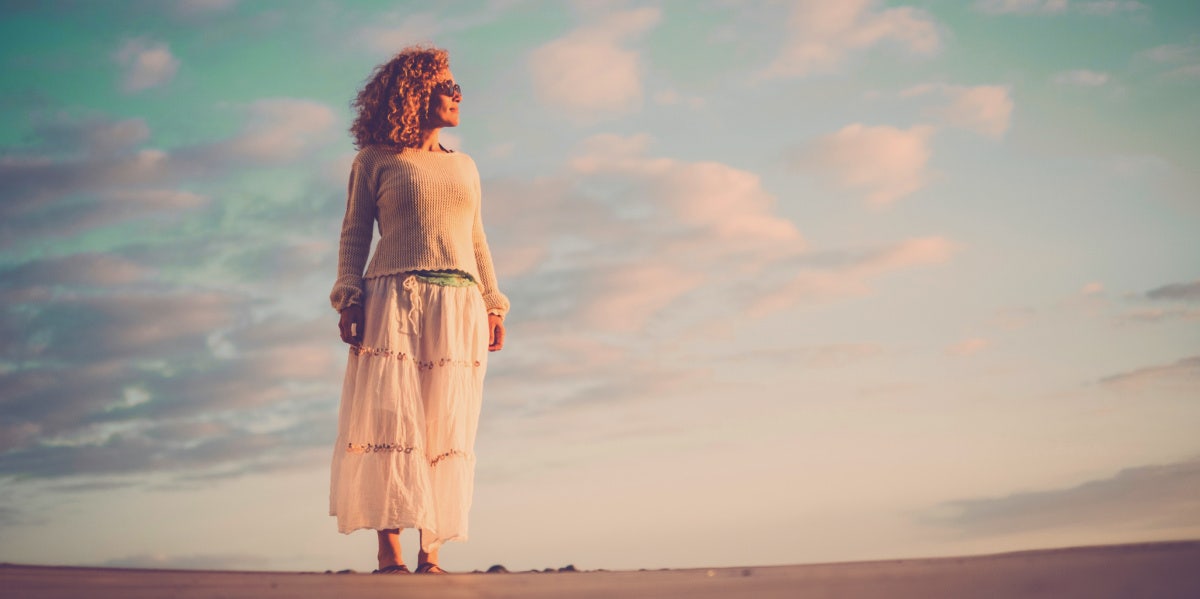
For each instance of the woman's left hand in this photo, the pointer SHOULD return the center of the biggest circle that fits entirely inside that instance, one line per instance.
(495, 333)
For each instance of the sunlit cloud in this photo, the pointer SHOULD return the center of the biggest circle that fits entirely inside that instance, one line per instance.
(415, 28)
(589, 73)
(852, 276)
(1057, 7)
(968, 347)
(147, 64)
(823, 35)
(1001, 7)
(1109, 7)
(1082, 78)
(198, 7)
(883, 163)
(984, 109)
(279, 130)
(1173, 52)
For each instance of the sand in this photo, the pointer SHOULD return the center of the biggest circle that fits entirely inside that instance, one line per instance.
(1158, 570)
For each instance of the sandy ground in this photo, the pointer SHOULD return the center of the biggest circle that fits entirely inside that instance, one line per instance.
(1151, 570)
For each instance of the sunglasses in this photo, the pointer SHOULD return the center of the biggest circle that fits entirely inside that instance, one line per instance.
(448, 88)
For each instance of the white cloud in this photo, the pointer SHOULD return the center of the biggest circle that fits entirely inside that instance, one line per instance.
(822, 35)
(147, 64)
(1055, 7)
(1191, 71)
(1172, 52)
(984, 109)
(885, 163)
(414, 28)
(1022, 7)
(280, 129)
(195, 7)
(1109, 7)
(1081, 77)
(588, 73)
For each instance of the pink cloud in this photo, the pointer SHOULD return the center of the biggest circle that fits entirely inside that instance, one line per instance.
(589, 73)
(854, 277)
(627, 298)
(884, 163)
(280, 129)
(1000, 7)
(726, 209)
(822, 35)
(984, 109)
(968, 347)
(147, 64)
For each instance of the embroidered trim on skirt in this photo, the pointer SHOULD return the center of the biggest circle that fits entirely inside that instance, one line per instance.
(404, 456)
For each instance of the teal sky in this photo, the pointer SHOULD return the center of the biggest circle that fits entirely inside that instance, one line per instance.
(791, 281)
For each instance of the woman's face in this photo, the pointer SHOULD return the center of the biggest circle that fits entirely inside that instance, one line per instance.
(443, 102)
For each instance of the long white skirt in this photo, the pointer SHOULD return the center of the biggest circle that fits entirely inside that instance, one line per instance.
(404, 456)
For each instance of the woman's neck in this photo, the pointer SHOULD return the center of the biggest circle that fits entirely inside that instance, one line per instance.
(429, 141)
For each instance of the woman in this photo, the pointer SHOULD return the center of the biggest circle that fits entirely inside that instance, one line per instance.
(418, 321)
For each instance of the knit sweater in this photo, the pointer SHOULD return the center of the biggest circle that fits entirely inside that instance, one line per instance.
(427, 205)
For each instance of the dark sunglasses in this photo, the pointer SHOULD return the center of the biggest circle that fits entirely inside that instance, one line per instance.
(448, 88)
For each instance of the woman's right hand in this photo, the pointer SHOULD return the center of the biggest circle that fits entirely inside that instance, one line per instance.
(351, 324)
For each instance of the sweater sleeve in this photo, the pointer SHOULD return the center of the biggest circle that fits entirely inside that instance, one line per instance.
(355, 242)
(495, 301)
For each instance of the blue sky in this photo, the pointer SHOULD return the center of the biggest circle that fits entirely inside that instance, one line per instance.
(791, 281)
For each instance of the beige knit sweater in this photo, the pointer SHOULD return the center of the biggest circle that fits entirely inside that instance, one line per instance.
(427, 205)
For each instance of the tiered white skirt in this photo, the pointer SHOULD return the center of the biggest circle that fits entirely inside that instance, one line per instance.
(404, 456)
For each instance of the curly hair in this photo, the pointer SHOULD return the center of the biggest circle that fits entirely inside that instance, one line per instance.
(394, 103)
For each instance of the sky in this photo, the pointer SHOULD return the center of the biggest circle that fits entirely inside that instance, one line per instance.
(792, 282)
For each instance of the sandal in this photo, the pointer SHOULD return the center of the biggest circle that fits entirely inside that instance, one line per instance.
(396, 569)
(430, 568)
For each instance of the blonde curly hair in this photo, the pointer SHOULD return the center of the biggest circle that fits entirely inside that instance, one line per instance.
(394, 103)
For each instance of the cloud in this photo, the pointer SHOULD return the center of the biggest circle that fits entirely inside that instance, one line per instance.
(968, 347)
(1109, 7)
(1082, 78)
(1057, 7)
(1184, 372)
(984, 109)
(1172, 53)
(823, 35)
(1158, 496)
(147, 64)
(816, 280)
(1022, 7)
(1153, 315)
(1183, 292)
(414, 28)
(276, 130)
(392, 31)
(884, 163)
(194, 7)
(589, 74)
(833, 355)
